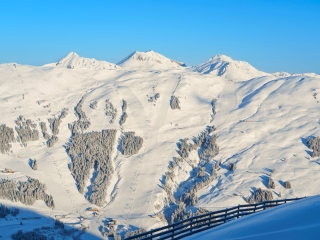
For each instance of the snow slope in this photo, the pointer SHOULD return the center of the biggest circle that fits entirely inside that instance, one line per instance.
(74, 61)
(262, 123)
(296, 220)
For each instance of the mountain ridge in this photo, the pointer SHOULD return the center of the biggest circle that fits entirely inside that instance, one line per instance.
(219, 65)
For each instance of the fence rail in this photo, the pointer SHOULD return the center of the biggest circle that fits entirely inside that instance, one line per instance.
(206, 221)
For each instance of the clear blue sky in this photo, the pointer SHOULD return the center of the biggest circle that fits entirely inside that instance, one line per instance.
(281, 35)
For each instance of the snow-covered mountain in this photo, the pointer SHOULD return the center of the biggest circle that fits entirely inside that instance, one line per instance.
(149, 60)
(131, 143)
(285, 74)
(281, 74)
(74, 61)
(307, 75)
(224, 66)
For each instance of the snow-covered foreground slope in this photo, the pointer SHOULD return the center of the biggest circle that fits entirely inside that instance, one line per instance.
(261, 124)
(296, 220)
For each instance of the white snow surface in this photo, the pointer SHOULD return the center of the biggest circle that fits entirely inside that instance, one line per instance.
(74, 61)
(262, 124)
(224, 66)
(296, 220)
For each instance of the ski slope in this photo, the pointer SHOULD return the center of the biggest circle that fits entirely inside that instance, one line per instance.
(262, 122)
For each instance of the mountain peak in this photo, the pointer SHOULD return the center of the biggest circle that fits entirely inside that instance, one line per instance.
(281, 74)
(221, 57)
(149, 59)
(72, 54)
(224, 66)
(74, 61)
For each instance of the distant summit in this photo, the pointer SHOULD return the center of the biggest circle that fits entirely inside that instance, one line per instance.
(74, 61)
(281, 74)
(149, 59)
(224, 66)
(286, 74)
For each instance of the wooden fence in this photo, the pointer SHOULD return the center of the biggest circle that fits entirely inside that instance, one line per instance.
(206, 221)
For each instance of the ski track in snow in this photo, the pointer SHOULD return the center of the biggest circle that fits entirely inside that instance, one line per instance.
(142, 162)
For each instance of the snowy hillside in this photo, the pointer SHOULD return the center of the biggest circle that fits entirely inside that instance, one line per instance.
(228, 68)
(296, 220)
(74, 61)
(151, 142)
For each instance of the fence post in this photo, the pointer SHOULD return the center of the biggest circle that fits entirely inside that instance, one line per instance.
(225, 216)
(238, 212)
(255, 205)
(172, 234)
(191, 225)
(264, 206)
